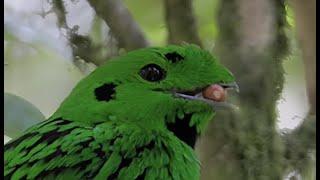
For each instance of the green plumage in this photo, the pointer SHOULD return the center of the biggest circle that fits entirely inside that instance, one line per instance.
(117, 124)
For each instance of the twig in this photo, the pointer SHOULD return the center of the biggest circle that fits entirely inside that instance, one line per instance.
(299, 143)
(82, 46)
(60, 11)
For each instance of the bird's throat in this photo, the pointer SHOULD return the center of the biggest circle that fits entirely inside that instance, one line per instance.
(183, 131)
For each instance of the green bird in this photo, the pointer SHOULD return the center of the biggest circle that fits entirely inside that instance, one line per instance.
(135, 117)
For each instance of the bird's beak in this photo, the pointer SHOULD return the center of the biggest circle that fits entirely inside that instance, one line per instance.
(222, 105)
(233, 86)
(211, 101)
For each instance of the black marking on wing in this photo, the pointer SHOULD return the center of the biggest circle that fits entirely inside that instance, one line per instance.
(183, 131)
(149, 146)
(63, 122)
(45, 123)
(105, 92)
(112, 141)
(173, 57)
(165, 148)
(56, 171)
(57, 153)
(142, 176)
(86, 143)
(125, 162)
(19, 140)
(100, 153)
(8, 176)
(50, 137)
(82, 165)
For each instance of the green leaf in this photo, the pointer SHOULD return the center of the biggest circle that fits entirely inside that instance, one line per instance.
(19, 114)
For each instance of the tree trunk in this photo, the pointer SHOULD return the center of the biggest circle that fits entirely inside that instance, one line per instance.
(301, 141)
(305, 15)
(245, 144)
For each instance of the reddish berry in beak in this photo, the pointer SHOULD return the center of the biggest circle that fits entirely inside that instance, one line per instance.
(215, 92)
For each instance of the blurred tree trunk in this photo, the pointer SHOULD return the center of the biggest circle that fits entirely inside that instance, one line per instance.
(181, 23)
(303, 139)
(245, 144)
(305, 15)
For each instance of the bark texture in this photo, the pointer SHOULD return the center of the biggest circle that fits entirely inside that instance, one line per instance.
(305, 15)
(122, 25)
(301, 142)
(245, 144)
(181, 23)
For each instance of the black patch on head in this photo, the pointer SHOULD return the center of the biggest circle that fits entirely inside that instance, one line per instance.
(183, 131)
(152, 73)
(173, 57)
(105, 92)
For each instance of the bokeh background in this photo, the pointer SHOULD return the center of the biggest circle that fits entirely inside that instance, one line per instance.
(44, 59)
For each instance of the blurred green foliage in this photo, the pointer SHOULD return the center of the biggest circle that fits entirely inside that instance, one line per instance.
(19, 114)
(151, 19)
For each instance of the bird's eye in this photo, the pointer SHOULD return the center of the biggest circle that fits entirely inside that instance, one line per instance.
(152, 72)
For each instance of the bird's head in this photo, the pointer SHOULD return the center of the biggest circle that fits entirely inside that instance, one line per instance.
(175, 88)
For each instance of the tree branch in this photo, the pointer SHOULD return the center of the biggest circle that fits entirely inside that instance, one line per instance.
(305, 15)
(302, 140)
(84, 49)
(181, 22)
(60, 11)
(118, 18)
(300, 143)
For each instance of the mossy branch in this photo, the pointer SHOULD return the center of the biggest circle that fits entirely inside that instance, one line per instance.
(181, 23)
(60, 11)
(122, 25)
(300, 142)
(82, 46)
